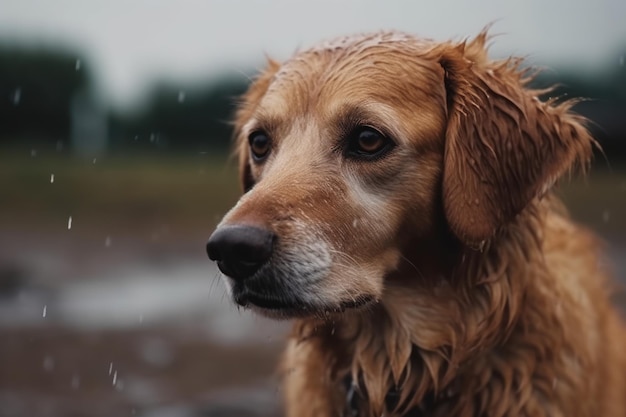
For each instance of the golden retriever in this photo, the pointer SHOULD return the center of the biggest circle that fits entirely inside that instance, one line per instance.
(398, 206)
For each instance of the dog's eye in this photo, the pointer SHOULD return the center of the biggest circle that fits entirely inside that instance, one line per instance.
(367, 142)
(260, 145)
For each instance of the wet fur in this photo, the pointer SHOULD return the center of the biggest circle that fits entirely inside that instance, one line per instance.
(491, 299)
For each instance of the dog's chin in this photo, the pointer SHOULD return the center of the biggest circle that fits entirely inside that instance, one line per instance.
(283, 307)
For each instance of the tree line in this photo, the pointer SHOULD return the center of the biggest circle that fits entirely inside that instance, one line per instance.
(39, 90)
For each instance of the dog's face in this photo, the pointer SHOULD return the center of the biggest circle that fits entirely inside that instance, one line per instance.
(342, 153)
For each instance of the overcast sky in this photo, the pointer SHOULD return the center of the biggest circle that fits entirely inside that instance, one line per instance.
(132, 42)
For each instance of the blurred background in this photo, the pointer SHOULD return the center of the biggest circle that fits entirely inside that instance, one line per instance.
(114, 169)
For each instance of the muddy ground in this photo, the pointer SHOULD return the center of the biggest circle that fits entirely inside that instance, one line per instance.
(121, 314)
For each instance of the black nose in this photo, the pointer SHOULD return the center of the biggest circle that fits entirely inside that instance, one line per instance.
(240, 250)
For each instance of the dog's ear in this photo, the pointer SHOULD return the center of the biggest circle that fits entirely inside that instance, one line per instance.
(503, 146)
(247, 104)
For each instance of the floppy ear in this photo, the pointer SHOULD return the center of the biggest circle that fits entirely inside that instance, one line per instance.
(247, 104)
(503, 147)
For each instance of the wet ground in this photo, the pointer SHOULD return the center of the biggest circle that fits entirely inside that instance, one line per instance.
(122, 314)
(132, 338)
(152, 335)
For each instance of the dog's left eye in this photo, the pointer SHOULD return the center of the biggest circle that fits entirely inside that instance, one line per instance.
(366, 142)
(260, 145)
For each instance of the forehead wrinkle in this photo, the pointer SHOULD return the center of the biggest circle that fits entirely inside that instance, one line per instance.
(298, 81)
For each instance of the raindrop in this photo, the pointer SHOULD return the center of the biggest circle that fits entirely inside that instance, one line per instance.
(75, 381)
(606, 214)
(136, 137)
(110, 367)
(114, 378)
(181, 96)
(94, 161)
(51, 178)
(48, 363)
(120, 385)
(151, 137)
(107, 242)
(69, 223)
(33, 152)
(77, 66)
(17, 96)
(45, 310)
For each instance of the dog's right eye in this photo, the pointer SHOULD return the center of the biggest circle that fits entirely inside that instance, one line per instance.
(367, 143)
(260, 145)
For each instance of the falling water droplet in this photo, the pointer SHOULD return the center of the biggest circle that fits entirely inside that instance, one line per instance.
(107, 242)
(110, 367)
(77, 66)
(94, 161)
(181, 96)
(17, 96)
(606, 215)
(45, 310)
(114, 378)
(33, 152)
(69, 223)
(51, 178)
(119, 385)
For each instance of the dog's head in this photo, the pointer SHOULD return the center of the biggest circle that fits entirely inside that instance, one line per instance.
(352, 150)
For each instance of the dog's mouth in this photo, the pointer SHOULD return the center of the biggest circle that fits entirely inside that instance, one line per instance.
(286, 307)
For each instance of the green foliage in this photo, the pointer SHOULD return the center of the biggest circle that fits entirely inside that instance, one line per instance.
(179, 118)
(36, 88)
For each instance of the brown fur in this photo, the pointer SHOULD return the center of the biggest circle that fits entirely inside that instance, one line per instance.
(487, 297)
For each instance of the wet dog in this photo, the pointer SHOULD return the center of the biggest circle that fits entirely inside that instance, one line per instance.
(398, 205)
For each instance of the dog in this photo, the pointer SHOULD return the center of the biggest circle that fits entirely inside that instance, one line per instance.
(398, 205)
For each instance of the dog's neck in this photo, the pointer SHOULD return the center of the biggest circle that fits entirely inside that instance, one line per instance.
(435, 326)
